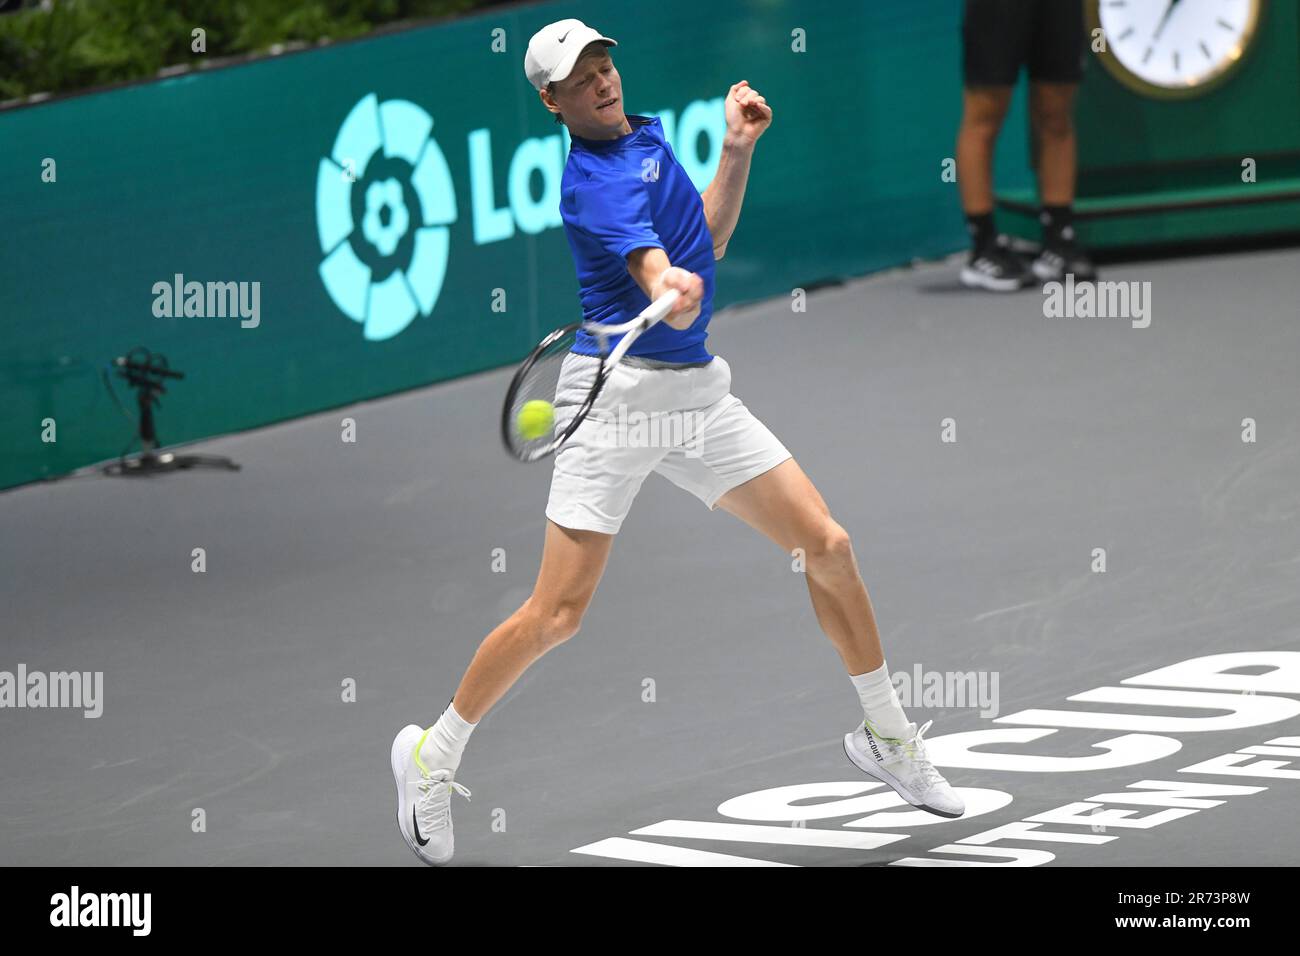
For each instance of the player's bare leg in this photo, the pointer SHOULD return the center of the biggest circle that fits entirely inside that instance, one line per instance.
(572, 564)
(784, 505)
(425, 761)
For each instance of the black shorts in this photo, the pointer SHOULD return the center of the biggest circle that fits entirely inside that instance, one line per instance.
(1001, 36)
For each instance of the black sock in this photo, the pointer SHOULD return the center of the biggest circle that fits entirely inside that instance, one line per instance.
(981, 230)
(1055, 221)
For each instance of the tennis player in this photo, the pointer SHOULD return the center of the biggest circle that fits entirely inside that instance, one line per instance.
(637, 228)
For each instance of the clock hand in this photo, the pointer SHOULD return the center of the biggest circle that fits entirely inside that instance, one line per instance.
(1165, 19)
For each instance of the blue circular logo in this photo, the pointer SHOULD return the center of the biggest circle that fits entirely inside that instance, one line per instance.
(387, 174)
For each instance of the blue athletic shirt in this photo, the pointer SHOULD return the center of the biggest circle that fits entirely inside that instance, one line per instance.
(612, 202)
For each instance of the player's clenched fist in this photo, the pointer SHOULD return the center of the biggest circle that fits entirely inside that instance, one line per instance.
(747, 112)
(687, 307)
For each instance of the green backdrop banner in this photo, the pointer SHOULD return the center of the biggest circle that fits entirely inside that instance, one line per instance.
(302, 232)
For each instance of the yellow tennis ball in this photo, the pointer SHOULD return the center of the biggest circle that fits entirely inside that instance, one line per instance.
(535, 419)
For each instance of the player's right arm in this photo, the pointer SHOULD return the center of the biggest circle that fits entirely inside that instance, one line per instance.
(615, 211)
(650, 267)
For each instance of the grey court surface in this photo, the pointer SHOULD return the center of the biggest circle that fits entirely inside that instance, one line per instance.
(326, 561)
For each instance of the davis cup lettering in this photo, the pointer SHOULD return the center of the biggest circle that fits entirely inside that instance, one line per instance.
(1243, 710)
(955, 750)
(1091, 814)
(1173, 799)
(883, 808)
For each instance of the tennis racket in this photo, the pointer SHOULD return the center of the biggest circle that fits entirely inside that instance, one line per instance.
(534, 389)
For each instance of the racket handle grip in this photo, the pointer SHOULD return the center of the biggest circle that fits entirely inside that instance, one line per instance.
(661, 306)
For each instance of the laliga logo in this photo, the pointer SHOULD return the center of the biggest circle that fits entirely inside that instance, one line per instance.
(387, 174)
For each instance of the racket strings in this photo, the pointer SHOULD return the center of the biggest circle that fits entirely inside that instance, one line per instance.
(566, 385)
(541, 382)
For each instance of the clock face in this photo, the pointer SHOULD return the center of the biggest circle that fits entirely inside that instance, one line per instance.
(1174, 47)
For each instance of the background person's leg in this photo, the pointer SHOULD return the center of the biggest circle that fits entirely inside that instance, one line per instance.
(1051, 107)
(983, 111)
(1052, 110)
(995, 34)
(1056, 65)
(991, 264)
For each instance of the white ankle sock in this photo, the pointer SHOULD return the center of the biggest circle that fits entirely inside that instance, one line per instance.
(880, 702)
(445, 741)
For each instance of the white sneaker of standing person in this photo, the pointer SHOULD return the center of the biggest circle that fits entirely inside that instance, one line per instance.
(903, 764)
(423, 800)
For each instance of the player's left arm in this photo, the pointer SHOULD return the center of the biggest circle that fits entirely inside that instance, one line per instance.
(748, 115)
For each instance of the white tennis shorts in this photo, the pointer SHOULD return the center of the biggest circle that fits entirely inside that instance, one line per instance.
(683, 423)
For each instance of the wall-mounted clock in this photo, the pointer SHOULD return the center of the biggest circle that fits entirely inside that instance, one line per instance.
(1174, 49)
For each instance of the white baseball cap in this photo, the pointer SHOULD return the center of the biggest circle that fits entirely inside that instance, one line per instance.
(555, 48)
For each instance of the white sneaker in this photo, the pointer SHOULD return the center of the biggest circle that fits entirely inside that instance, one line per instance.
(423, 799)
(903, 764)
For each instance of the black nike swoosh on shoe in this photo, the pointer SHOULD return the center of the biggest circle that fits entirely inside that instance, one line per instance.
(415, 823)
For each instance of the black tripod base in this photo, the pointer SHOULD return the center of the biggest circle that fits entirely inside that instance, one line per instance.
(149, 464)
